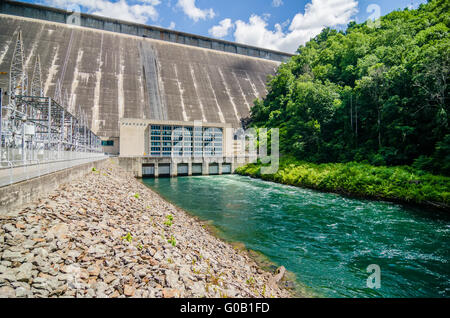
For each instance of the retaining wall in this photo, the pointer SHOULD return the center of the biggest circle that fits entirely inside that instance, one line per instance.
(15, 196)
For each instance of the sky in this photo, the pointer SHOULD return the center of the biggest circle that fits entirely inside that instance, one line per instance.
(281, 25)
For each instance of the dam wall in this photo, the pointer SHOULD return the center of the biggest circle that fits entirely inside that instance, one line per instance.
(114, 75)
(107, 24)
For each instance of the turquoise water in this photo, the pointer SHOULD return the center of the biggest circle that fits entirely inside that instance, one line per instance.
(325, 239)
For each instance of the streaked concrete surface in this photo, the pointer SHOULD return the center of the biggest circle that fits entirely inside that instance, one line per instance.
(113, 75)
(35, 11)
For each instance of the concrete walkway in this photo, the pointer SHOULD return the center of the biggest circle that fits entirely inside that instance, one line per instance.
(13, 175)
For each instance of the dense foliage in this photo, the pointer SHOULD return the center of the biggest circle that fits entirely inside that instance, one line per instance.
(373, 93)
(401, 183)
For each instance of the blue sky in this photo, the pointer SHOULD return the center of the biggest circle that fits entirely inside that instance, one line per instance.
(275, 24)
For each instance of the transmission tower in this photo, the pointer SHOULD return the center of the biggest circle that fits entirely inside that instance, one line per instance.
(36, 81)
(18, 79)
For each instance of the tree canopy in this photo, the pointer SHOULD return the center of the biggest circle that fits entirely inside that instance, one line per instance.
(376, 92)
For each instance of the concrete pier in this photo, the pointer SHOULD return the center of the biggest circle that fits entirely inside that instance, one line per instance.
(138, 166)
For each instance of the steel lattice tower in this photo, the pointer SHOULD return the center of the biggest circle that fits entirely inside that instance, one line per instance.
(18, 78)
(36, 81)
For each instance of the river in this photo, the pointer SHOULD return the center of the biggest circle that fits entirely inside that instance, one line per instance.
(325, 239)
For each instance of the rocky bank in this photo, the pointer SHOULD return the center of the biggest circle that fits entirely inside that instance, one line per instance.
(108, 235)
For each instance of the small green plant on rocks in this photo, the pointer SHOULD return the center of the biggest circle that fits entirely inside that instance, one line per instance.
(128, 237)
(169, 220)
(136, 195)
(172, 241)
(215, 279)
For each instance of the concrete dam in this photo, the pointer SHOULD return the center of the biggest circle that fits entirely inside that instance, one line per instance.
(129, 72)
(142, 90)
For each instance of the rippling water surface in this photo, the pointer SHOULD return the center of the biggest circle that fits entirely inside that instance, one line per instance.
(325, 239)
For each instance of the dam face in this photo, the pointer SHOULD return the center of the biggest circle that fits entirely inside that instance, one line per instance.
(114, 75)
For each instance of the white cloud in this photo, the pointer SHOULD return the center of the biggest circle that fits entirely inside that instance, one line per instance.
(277, 3)
(150, 2)
(193, 12)
(221, 30)
(321, 13)
(318, 15)
(140, 12)
(172, 25)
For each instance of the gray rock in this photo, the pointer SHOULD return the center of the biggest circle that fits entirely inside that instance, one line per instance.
(8, 277)
(198, 289)
(40, 292)
(171, 279)
(97, 249)
(9, 228)
(158, 256)
(53, 283)
(7, 292)
(41, 252)
(73, 253)
(11, 256)
(90, 293)
(22, 292)
(24, 273)
(100, 289)
(40, 283)
(28, 244)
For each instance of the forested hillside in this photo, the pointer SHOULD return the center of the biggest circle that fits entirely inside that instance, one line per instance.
(372, 93)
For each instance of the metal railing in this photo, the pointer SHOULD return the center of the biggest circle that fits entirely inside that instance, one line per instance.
(13, 172)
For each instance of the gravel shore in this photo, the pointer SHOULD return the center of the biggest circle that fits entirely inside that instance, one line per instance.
(108, 235)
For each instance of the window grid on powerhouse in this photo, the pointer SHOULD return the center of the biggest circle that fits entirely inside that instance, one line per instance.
(185, 141)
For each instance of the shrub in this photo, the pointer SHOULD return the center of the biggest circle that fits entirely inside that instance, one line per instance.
(401, 183)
